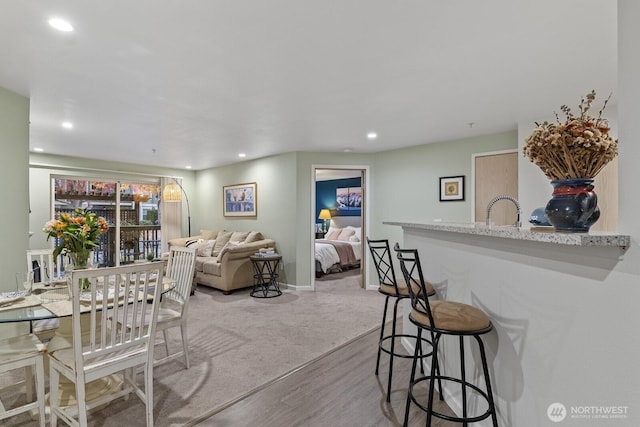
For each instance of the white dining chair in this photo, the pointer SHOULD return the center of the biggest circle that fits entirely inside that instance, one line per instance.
(48, 272)
(24, 351)
(175, 303)
(100, 348)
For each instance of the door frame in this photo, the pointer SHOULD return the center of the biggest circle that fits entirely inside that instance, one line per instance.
(365, 184)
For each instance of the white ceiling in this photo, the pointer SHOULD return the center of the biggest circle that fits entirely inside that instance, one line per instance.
(175, 83)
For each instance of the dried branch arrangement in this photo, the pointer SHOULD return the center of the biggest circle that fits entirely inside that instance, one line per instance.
(579, 147)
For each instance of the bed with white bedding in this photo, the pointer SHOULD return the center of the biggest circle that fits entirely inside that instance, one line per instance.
(341, 248)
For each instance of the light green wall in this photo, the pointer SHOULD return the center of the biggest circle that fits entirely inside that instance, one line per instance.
(304, 204)
(406, 181)
(404, 187)
(14, 173)
(44, 167)
(275, 177)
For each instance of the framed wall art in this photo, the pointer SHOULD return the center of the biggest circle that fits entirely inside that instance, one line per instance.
(451, 188)
(240, 200)
(349, 199)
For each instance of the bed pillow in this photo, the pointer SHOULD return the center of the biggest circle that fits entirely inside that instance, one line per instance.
(333, 234)
(331, 230)
(357, 235)
(345, 234)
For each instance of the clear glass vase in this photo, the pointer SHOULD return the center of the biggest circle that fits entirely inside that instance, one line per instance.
(80, 261)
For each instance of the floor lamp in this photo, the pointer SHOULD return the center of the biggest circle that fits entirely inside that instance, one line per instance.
(173, 193)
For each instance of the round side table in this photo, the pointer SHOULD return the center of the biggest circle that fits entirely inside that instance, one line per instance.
(265, 277)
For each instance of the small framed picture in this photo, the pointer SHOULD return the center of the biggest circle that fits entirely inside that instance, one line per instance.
(451, 188)
(240, 200)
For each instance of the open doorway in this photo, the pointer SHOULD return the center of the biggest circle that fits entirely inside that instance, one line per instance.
(339, 212)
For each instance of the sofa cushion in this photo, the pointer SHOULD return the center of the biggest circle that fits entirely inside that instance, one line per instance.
(223, 239)
(212, 266)
(209, 234)
(200, 262)
(254, 236)
(239, 236)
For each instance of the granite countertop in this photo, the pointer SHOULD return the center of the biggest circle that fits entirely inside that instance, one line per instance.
(511, 232)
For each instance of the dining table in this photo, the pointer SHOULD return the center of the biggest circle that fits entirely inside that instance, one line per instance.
(53, 301)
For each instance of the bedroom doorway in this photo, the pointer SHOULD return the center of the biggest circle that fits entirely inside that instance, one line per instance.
(339, 218)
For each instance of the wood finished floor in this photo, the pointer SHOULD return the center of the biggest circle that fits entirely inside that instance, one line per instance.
(339, 389)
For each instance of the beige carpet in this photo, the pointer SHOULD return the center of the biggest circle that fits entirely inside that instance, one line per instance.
(239, 343)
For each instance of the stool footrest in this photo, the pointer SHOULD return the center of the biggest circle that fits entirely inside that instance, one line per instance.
(403, 355)
(474, 387)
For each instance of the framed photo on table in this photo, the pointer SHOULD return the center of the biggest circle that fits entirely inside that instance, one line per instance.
(451, 188)
(240, 200)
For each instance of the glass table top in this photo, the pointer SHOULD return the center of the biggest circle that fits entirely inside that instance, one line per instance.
(40, 312)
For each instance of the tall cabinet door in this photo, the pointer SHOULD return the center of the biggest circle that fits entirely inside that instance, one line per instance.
(496, 175)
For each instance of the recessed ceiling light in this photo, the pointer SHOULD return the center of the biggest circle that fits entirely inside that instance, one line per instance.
(38, 149)
(67, 125)
(242, 155)
(372, 135)
(188, 167)
(60, 25)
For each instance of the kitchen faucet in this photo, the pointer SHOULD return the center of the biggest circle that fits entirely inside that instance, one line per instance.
(497, 199)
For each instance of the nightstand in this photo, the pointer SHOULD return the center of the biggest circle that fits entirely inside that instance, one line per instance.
(320, 235)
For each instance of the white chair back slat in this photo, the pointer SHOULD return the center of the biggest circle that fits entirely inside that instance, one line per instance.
(180, 267)
(49, 271)
(102, 346)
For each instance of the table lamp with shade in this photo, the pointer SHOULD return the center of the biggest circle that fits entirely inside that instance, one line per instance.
(325, 215)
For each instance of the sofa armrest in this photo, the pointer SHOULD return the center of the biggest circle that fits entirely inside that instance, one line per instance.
(244, 250)
(182, 241)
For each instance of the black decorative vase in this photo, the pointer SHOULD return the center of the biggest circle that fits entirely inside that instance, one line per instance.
(573, 206)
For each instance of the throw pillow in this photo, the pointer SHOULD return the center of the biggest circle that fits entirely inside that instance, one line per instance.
(345, 234)
(191, 242)
(254, 236)
(223, 239)
(204, 247)
(354, 239)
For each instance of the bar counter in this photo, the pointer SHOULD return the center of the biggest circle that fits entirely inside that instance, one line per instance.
(545, 293)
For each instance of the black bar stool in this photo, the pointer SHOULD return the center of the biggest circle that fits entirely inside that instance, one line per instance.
(444, 318)
(391, 288)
